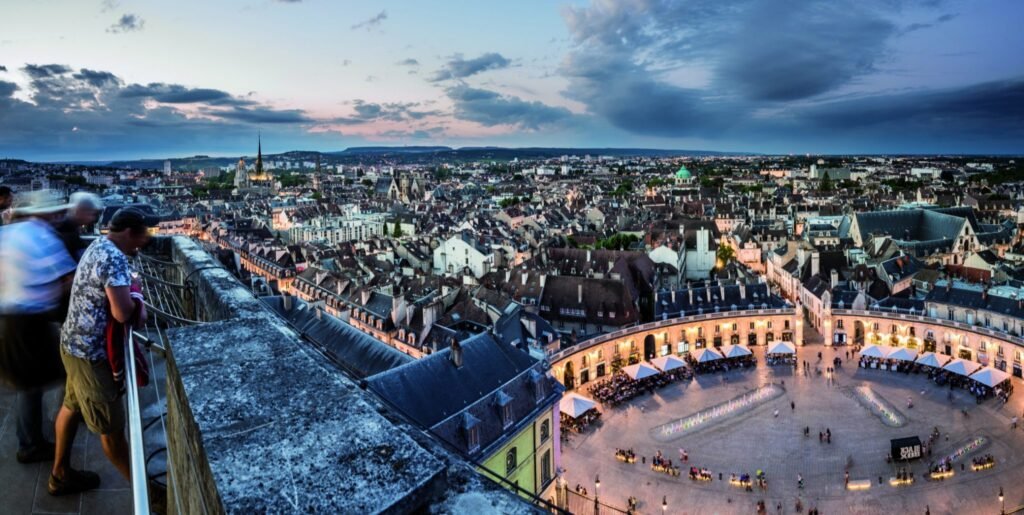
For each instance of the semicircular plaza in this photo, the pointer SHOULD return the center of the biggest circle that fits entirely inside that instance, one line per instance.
(823, 428)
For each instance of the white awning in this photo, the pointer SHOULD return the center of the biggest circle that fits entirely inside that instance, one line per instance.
(781, 347)
(961, 366)
(669, 362)
(705, 355)
(932, 359)
(903, 354)
(574, 404)
(989, 376)
(640, 371)
(735, 351)
(876, 351)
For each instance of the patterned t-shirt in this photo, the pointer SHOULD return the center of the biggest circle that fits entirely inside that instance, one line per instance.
(84, 333)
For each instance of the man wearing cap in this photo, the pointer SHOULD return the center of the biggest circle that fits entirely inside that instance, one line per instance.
(102, 289)
(35, 273)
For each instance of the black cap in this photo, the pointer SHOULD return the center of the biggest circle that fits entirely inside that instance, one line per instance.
(133, 219)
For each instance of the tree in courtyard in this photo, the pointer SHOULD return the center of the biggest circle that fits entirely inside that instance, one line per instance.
(725, 254)
(826, 183)
(397, 233)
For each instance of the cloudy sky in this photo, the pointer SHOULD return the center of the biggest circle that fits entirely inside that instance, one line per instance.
(112, 79)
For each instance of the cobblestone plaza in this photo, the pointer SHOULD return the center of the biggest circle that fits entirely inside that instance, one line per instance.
(752, 437)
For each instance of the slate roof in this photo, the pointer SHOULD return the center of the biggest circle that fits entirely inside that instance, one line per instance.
(355, 351)
(972, 298)
(432, 389)
(756, 295)
(910, 225)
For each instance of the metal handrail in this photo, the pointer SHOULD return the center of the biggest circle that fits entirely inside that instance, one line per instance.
(140, 486)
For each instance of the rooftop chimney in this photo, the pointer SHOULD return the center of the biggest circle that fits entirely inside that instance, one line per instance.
(286, 302)
(543, 278)
(689, 291)
(456, 353)
(835, 278)
(525, 276)
(743, 289)
(579, 293)
(708, 290)
(673, 296)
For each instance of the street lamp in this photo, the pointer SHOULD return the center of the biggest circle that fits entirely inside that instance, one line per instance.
(664, 504)
(597, 485)
(1002, 503)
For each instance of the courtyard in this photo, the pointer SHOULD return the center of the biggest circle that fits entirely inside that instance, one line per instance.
(727, 423)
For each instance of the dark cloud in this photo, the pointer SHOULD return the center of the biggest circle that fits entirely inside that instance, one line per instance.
(177, 94)
(987, 107)
(459, 68)
(7, 89)
(408, 62)
(769, 68)
(365, 112)
(490, 108)
(97, 79)
(39, 71)
(372, 22)
(73, 112)
(803, 50)
(127, 23)
(260, 115)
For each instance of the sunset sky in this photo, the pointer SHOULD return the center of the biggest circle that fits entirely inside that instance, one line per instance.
(114, 79)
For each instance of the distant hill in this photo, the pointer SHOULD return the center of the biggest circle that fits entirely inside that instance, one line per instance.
(408, 155)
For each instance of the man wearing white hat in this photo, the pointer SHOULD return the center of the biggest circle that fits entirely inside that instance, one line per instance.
(35, 273)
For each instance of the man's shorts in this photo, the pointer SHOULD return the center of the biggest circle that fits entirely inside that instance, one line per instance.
(91, 391)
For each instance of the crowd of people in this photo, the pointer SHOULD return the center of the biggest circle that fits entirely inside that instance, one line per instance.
(978, 390)
(626, 455)
(722, 365)
(62, 300)
(620, 387)
(580, 423)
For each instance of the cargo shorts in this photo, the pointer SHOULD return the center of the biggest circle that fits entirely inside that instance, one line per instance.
(91, 391)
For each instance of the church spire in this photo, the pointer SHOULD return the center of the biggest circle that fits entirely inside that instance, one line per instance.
(259, 154)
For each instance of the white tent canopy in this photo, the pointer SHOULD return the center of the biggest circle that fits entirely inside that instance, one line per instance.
(574, 404)
(640, 371)
(932, 359)
(961, 366)
(669, 362)
(781, 347)
(876, 351)
(735, 351)
(903, 354)
(989, 376)
(705, 355)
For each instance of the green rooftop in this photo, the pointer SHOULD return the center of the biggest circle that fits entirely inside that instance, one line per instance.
(683, 173)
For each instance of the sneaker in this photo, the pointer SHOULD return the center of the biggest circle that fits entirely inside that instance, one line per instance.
(74, 481)
(41, 452)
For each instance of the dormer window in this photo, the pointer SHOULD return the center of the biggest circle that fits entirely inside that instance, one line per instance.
(504, 403)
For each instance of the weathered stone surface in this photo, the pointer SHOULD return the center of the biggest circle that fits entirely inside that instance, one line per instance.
(260, 422)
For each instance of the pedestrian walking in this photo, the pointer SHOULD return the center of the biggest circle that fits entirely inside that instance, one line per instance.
(792, 406)
(1014, 422)
(35, 275)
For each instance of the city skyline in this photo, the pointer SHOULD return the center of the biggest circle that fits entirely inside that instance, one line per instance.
(123, 80)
